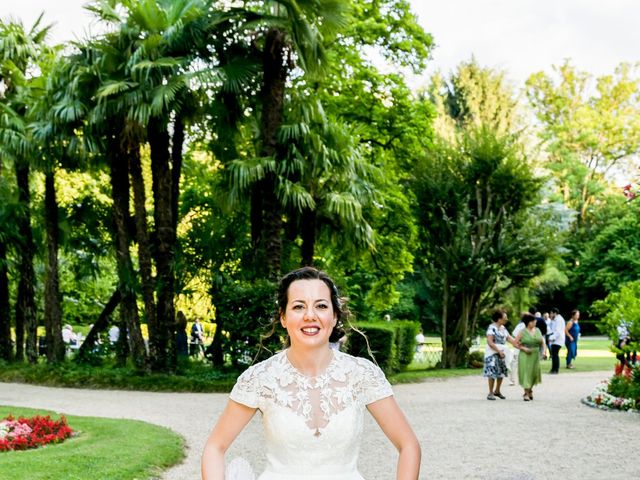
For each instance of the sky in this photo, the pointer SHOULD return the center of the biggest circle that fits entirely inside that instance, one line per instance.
(518, 36)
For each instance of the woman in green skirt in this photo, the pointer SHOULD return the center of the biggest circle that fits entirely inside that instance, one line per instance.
(531, 343)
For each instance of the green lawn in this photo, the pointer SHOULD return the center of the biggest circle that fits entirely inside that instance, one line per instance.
(106, 449)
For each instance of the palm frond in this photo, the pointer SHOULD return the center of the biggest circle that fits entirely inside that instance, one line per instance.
(111, 88)
(344, 206)
(246, 172)
(293, 194)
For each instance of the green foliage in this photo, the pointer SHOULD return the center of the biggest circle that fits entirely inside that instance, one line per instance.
(590, 128)
(620, 306)
(480, 232)
(610, 258)
(381, 339)
(625, 387)
(406, 332)
(474, 97)
(476, 359)
(143, 449)
(245, 311)
(191, 377)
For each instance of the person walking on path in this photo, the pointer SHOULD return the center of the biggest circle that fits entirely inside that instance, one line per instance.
(572, 333)
(541, 323)
(495, 366)
(531, 344)
(513, 364)
(557, 339)
(312, 398)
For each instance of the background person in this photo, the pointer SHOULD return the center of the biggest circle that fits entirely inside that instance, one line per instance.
(495, 367)
(182, 343)
(531, 344)
(301, 391)
(627, 358)
(547, 322)
(572, 334)
(541, 323)
(69, 337)
(556, 339)
(513, 364)
(114, 334)
(197, 338)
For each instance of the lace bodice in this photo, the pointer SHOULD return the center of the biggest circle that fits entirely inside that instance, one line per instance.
(312, 424)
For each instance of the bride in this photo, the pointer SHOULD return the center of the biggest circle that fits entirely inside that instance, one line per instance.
(311, 397)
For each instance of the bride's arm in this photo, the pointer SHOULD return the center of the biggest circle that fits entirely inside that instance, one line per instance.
(397, 429)
(233, 419)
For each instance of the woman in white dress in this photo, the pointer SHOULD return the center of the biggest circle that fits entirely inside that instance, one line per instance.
(312, 398)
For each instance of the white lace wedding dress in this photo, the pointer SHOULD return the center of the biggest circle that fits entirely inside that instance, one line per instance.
(312, 424)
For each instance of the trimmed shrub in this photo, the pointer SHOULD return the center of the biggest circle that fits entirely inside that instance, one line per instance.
(406, 332)
(476, 359)
(243, 312)
(382, 341)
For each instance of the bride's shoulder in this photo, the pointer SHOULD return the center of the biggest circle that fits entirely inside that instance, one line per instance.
(358, 364)
(259, 369)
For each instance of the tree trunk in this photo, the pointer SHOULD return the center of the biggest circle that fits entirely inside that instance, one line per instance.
(457, 342)
(126, 274)
(26, 304)
(52, 304)
(445, 313)
(5, 317)
(122, 345)
(162, 187)
(216, 353)
(176, 169)
(275, 70)
(100, 325)
(144, 256)
(308, 233)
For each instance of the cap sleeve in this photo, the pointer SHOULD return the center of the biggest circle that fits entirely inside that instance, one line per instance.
(375, 385)
(245, 391)
(491, 330)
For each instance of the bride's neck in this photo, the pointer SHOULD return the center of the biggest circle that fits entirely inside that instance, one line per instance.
(310, 362)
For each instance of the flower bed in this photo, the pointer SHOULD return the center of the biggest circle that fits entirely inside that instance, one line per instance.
(34, 432)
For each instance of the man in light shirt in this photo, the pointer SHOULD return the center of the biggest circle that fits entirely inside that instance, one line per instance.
(557, 339)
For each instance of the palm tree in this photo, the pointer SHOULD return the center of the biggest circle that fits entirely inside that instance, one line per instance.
(19, 50)
(153, 89)
(92, 74)
(293, 34)
(322, 182)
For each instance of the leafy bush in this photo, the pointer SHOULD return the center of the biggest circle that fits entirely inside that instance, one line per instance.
(190, 377)
(406, 332)
(244, 311)
(619, 306)
(476, 359)
(382, 341)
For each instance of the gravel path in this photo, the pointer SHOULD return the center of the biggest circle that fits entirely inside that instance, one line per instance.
(463, 435)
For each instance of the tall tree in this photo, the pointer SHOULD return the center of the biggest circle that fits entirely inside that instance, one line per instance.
(472, 97)
(19, 53)
(294, 35)
(479, 236)
(591, 130)
(152, 86)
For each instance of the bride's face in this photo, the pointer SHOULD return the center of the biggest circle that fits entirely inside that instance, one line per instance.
(308, 317)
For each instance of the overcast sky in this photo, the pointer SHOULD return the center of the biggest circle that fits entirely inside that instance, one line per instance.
(518, 36)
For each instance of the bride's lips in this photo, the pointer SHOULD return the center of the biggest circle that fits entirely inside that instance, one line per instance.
(310, 330)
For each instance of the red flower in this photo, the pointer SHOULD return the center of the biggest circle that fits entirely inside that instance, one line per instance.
(43, 431)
